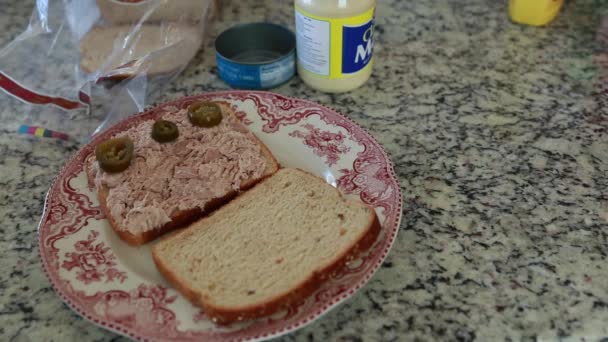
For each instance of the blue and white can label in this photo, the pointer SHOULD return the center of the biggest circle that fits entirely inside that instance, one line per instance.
(256, 76)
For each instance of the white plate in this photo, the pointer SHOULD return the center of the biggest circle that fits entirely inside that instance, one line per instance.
(118, 287)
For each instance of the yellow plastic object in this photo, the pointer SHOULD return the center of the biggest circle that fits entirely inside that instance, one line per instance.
(534, 12)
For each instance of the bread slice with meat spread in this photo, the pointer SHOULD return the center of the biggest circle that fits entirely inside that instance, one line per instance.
(169, 185)
(268, 248)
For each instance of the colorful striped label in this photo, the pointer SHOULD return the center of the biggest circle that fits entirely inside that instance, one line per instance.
(42, 132)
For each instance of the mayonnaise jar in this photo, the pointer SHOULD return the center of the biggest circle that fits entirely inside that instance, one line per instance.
(335, 43)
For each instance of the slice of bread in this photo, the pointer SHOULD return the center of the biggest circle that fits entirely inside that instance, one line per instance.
(268, 248)
(152, 50)
(132, 11)
(186, 216)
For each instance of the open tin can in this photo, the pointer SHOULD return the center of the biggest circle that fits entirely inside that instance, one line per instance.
(256, 56)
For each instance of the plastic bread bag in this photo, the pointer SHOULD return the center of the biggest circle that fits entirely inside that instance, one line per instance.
(82, 65)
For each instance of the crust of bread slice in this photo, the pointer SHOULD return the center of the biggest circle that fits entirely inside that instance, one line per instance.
(182, 218)
(228, 315)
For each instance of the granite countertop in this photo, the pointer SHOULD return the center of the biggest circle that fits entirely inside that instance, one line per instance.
(499, 135)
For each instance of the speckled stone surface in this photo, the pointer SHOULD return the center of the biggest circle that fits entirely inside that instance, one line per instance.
(499, 134)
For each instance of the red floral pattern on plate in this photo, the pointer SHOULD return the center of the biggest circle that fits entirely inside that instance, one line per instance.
(326, 144)
(279, 110)
(368, 179)
(200, 316)
(93, 261)
(145, 306)
(141, 308)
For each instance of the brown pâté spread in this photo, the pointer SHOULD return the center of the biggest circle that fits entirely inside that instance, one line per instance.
(166, 178)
